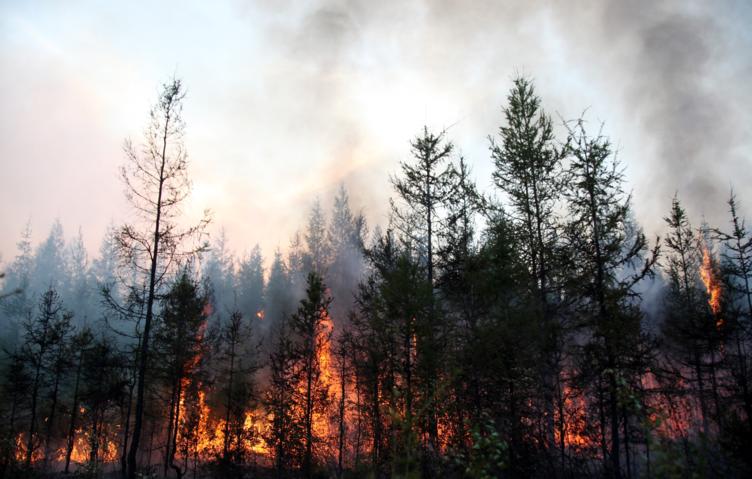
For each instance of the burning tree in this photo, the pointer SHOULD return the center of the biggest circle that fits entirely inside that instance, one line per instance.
(178, 349)
(156, 181)
(237, 356)
(285, 437)
(104, 384)
(514, 346)
(312, 328)
(82, 341)
(44, 343)
(688, 324)
(423, 189)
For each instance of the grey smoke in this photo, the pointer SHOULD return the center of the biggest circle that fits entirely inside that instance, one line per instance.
(669, 79)
(673, 75)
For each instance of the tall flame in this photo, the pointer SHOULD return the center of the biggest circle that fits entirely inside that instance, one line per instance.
(709, 277)
(200, 434)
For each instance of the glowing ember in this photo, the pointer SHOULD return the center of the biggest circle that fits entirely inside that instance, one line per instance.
(574, 423)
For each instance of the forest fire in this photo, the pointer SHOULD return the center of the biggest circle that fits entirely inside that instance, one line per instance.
(207, 440)
(572, 420)
(81, 450)
(321, 425)
(456, 343)
(212, 435)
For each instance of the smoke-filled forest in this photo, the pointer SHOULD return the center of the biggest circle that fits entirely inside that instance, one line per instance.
(385, 239)
(531, 332)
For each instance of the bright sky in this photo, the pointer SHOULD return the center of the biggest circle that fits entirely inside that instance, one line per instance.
(288, 99)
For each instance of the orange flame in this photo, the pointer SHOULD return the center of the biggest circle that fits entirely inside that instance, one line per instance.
(321, 426)
(709, 277)
(200, 434)
(574, 420)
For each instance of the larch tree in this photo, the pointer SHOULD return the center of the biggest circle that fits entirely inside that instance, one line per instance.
(423, 187)
(608, 256)
(686, 324)
(529, 172)
(156, 183)
(736, 263)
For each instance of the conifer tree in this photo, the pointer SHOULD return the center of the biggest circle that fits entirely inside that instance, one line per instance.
(687, 322)
(156, 181)
(103, 384)
(609, 256)
(317, 252)
(278, 294)
(178, 347)
(81, 342)
(16, 299)
(43, 335)
(286, 433)
(237, 356)
(423, 188)
(308, 324)
(528, 170)
(15, 389)
(50, 268)
(345, 237)
(250, 287)
(736, 265)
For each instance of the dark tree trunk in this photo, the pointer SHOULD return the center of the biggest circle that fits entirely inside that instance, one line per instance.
(144, 350)
(74, 415)
(33, 419)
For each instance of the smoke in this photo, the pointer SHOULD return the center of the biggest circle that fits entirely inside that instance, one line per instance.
(289, 99)
(668, 78)
(687, 88)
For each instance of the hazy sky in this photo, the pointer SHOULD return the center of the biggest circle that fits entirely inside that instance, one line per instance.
(288, 99)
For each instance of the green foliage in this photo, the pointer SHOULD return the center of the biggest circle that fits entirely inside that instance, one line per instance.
(488, 455)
